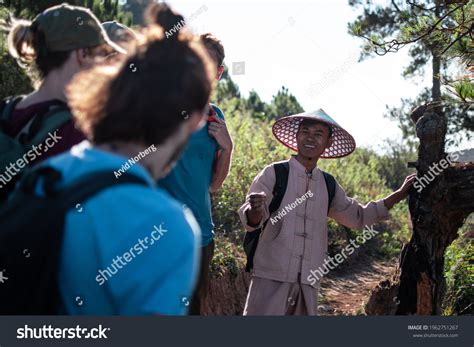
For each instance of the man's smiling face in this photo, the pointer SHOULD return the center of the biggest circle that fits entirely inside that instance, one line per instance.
(312, 138)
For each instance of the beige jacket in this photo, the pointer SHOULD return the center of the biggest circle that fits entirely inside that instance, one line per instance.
(295, 240)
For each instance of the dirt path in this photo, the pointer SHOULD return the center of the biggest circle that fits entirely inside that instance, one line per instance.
(345, 291)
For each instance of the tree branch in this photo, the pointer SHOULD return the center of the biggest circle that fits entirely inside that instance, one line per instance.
(395, 45)
(457, 39)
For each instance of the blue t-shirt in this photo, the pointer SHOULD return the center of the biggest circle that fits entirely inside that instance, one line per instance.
(190, 179)
(105, 269)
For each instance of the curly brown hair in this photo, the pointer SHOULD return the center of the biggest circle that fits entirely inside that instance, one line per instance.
(143, 97)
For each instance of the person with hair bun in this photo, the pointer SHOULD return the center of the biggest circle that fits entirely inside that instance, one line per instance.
(57, 44)
(131, 249)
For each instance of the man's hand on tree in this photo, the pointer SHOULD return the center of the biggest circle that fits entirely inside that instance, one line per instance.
(401, 193)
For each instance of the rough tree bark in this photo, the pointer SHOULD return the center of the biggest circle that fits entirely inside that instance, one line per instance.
(437, 212)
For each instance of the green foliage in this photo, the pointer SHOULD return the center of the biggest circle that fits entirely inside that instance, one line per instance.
(105, 10)
(394, 163)
(283, 104)
(226, 88)
(459, 273)
(257, 105)
(464, 90)
(136, 8)
(14, 79)
(227, 258)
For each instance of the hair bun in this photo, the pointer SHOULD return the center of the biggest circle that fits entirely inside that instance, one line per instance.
(20, 40)
(162, 15)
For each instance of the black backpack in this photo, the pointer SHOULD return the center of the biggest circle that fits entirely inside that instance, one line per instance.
(32, 134)
(282, 171)
(31, 235)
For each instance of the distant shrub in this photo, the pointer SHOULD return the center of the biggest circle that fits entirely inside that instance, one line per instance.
(14, 80)
(254, 148)
(13, 77)
(459, 273)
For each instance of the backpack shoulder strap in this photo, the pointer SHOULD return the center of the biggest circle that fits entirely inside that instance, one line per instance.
(92, 184)
(282, 171)
(79, 191)
(8, 106)
(40, 126)
(331, 187)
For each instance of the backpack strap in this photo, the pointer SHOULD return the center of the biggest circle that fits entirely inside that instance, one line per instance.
(78, 191)
(38, 128)
(250, 243)
(331, 187)
(7, 107)
(92, 184)
(282, 171)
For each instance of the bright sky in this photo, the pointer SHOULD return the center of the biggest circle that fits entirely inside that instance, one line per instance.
(304, 46)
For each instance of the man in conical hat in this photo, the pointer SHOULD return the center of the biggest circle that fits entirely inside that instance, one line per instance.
(291, 253)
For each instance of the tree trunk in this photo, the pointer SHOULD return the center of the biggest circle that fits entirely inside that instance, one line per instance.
(437, 211)
(436, 88)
